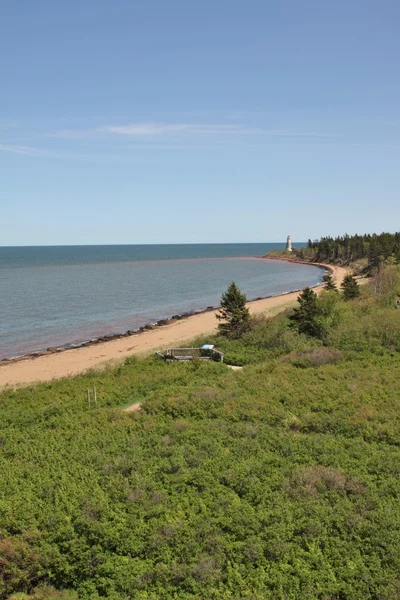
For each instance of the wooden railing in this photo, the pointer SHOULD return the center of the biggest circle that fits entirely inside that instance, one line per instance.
(193, 353)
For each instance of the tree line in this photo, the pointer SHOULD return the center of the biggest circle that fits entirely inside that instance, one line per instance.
(376, 248)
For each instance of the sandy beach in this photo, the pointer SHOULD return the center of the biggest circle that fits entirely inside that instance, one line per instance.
(76, 360)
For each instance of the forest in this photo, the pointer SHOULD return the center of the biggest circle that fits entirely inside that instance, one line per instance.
(277, 482)
(375, 249)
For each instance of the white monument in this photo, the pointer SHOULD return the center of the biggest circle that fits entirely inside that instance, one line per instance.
(289, 244)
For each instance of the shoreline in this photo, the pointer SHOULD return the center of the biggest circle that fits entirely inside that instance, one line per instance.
(70, 360)
(109, 337)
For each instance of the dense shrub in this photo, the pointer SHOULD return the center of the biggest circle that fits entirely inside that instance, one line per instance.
(314, 357)
(45, 593)
(385, 285)
(367, 327)
(330, 311)
(319, 479)
(273, 335)
(266, 338)
(271, 482)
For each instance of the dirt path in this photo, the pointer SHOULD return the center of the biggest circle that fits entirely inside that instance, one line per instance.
(137, 407)
(77, 360)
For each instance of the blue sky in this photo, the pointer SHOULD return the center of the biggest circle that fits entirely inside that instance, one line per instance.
(213, 121)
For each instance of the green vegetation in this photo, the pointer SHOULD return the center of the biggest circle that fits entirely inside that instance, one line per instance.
(281, 481)
(365, 254)
(304, 318)
(329, 283)
(45, 593)
(234, 316)
(278, 254)
(374, 249)
(350, 288)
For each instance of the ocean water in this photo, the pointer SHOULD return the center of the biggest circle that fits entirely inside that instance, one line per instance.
(54, 296)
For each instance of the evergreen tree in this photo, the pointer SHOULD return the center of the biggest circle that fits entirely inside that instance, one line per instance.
(375, 248)
(330, 285)
(304, 318)
(350, 288)
(233, 314)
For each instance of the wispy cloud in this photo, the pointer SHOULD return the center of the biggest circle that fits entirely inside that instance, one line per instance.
(290, 133)
(123, 140)
(27, 150)
(46, 153)
(151, 129)
(146, 129)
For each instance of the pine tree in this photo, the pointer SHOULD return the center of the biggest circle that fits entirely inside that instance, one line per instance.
(233, 314)
(350, 288)
(343, 249)
(304, 318)
(330, 285)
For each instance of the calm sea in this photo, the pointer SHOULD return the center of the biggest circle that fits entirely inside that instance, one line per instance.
(52, 296)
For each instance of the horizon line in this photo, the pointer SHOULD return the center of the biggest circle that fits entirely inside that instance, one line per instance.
(145, 244)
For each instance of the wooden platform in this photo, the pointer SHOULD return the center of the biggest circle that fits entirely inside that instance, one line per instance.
(191, 354)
